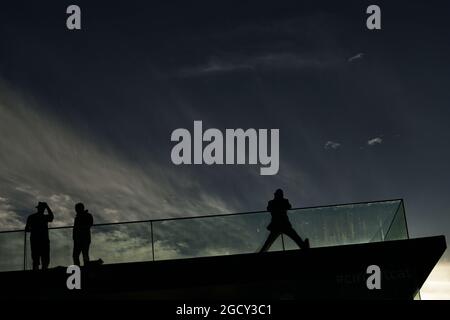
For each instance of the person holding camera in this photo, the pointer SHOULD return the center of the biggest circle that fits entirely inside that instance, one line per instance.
(37, 225)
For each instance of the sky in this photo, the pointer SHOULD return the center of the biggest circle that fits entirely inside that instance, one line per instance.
(87, 115)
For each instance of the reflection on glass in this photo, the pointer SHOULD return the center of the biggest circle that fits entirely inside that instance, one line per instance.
(11, 251)
(345, 224)
(210, 236)
(60, 247)
(119, 243)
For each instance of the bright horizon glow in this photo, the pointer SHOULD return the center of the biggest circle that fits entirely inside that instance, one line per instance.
(437, 285)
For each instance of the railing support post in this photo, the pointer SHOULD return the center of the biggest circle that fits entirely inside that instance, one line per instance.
(153, 247)
(24, 250)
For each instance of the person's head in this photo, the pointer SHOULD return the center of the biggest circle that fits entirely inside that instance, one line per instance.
(278, 194)
(79, 208)
(41, 207)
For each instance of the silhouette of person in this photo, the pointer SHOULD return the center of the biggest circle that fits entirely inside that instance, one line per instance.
(278, 208)
(37, 225)
(81, 234)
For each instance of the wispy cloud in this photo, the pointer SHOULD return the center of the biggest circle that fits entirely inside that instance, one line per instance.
(332, 145)
(43, 160)
(7, 215)
(356, 57)
(374, 141)
(215, 66)
(269, 60)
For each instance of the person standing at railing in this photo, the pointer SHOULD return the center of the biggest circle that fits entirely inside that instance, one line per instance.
(37, 225)
(280, 223)
(81, 234)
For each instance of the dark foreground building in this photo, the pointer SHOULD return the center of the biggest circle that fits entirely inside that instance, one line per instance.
(215, 257)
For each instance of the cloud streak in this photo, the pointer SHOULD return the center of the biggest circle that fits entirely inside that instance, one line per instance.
(374, 141)
(42, 159)
(332, 145)
(277, 61)
(358, 56)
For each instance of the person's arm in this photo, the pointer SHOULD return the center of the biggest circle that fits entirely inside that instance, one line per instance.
(269, 206)
(91, 220)
(50, 215)
(288, 205)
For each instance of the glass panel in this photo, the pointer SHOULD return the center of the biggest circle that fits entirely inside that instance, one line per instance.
(417, 296)
(112, 243)
(60, 247)
(398, 229)
(345, 224)
(11, 251)
(224, 235)
(211, 236)
(129, 242)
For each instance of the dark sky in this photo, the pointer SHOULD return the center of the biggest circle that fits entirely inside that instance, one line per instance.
(87, 115)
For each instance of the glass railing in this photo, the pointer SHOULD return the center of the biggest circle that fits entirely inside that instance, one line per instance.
(215, 235)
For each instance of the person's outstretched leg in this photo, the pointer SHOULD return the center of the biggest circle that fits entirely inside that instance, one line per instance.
(291, 233)
(270, 240)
